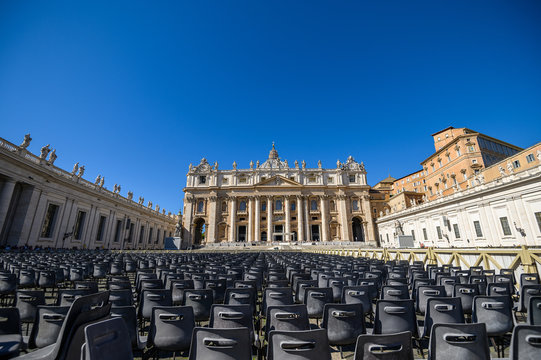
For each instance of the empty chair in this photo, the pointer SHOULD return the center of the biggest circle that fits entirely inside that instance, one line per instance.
(323, 278)
(201, 300)
(91, 286)
(107, 340)
(11, 338)
(220, 344)
(286, 317)
(151, 298)
(395, 292)
(171, 328)
(27, 301)
(529, 279)
(277, 283)
(425, 292)
(178, 288)
(466, 293)
(442, 310)
(343, 323)
(384, 346)
(27, 278)
(218, 288)
(534, 311)
(129, 315)
(66, 297)
(121, 297)
(47, 325)
(458, 341)
(277, 296)
(8, 285)
(501, 288)
(337, 284)
(300, 287)
(394, 316)
(309, 344)
(481, 281)
(357, 294)
(119, 285)
(241, 296)
(315, 300)
(448, 282)
(47, 279)
(526, 292)
(525, 343)
(496, 313)
(233, 316)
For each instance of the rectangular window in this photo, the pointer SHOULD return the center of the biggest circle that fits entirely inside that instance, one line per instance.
(438, 229)
(331, 180)
(101, 228)
(49, 221)
(387, 236)
(457, 232)
(477, 227)
(425, 236)
(118, 230)
(202, 179)
(242, 180)
(458, 153)
(538, 219)
(150, 236)
(516, 164)
(505, 226)
(130, 234)
(225, 181)
(141, 234)
(471, 148)
(413, 234)
(263, 206)
(158, 236)
(352, 178)
(79, 225)
(530, 158)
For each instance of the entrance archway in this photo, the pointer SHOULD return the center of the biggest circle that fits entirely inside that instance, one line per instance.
(357, 227)
(199, 231)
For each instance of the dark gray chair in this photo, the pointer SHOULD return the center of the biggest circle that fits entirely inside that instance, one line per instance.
(241, 296)
(129, 315)
(107, 340)
(171, 328)
(178, 288)
(394, 316)
(497, 314)
(458, 342)
(121, 297)
(66, 297)
(337, 284)
(220, 344)
(466, 293)
(525, 343)
(396, 346)
(225, 316)
(526, 292)
(201, 301)
(151, 298)
(395, 292)
(300, 287)
(11, 339)
(343, 323)
(27, 301)
(276, 296)
(446, 310)
(425, 292)
(286, 318)
(309, 344)
(47, 325)
(218, 287)
(534, 311)
(315, 300)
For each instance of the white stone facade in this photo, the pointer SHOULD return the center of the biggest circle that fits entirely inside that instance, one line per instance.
(43, 205)
(503, 212)
(277, 201)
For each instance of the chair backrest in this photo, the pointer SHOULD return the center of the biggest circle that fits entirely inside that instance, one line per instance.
(526, 292)
(91, 286)
(218, 287)
(47, 325)
(357, 294)
(277, 296)
(500, 288)
(171, 327)
(178, 288)
(10, 321)
(309, 344)
(458, 341)
(287, 317)
(27, 301)
(220, 344)
(384, 347)
(395, 292)
(241, 296)
(66, 297)
(529, 279)
(107, 340)
(343, 323)
(121, 297)
(425, 292)
(232, 316)
(525, 342)
(534, 310)
(315, 300)
(300, 287)
(442, 310)
(201, 300)
(8, 283)
(466, 293)
(337, 284)
(151, 298)
(129, 315)
(393, 316)
(495, 311)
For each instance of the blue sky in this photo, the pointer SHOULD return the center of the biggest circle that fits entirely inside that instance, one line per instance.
(138, 90)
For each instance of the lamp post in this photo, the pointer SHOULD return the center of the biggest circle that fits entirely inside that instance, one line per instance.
(521, 231)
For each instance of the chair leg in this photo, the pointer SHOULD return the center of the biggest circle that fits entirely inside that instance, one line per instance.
(341, 352)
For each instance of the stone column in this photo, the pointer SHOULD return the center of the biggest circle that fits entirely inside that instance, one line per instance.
(188, 222)
(250, 218)
(370, 234)
(343, 216)
(324, 221)
(269, 219)
(211, 231)
(307, 218)
(5, 200)
(300, 223)
(257, 225)
(232, 219)
(287, 214)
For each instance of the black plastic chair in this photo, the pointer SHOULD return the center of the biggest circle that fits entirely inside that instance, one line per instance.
(394, 316)
(218, 287)
(11, 339)
(529, 279)
(27, 301)
(525, 343)
(497, 314)
(223, 316)
(171, 328)
(276, 296)
(315, 300)
(300, 287)
(425, 292)
(107, 340)
(201, 300)
(286, 318)
(178, 288)
(129, 315)
(534, 311)
(337, 284)
(241, 296)
(220, 344)
(151, 298)
(90, 286)
(446, 310)
(343, 323)
(466, 293)
(458, 342)
(47, 325)
(396, 346)
(309, 344)
(395, 292)
(526, 292)
(121, 297)
(66, 297)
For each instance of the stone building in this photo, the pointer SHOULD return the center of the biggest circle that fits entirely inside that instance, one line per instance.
(277, 201)
(43, 205)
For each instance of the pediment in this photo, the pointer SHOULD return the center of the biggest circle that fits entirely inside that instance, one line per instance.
(277, 181)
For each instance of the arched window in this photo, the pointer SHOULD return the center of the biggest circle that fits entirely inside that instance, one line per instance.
(200, 206)
(278, 206)
(355, 205)
(313, 205)
(242, 206)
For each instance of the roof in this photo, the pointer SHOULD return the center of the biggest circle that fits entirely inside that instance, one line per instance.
(437, 132)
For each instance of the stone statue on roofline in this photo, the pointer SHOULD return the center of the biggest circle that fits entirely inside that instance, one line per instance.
(216, 165)
(338, 164)
(251, 164)
(52, 157)
(130, 195)
(296, 164)
(257, 164)
(510, 167)
(234, 165)
(319, 164)
(98, 179)
(303, 164)
(102, 181)
(81, 171)
(502, 170)
(538, 155)
(26, 142)
(44, 152)
(75, 168)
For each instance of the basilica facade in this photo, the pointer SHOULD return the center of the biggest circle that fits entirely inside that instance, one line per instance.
(277, 201)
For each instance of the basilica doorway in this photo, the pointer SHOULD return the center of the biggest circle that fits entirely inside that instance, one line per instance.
(199, 231)
(357, 227)
(278, 230)
(315, 232)
(241, 233)
(263, 236)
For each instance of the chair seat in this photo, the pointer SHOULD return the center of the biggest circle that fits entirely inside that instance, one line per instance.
(10, 344)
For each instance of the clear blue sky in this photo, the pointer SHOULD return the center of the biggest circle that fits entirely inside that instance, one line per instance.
(138, 90)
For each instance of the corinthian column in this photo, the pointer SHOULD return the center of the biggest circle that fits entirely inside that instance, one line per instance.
(5, 200)
(324, 221)
(250, 218)
(269, 218)
(211, 238)
(307, 218)
(288, 217)
(300, 224)
(232, 218)
(257, 225)
(342, 211)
